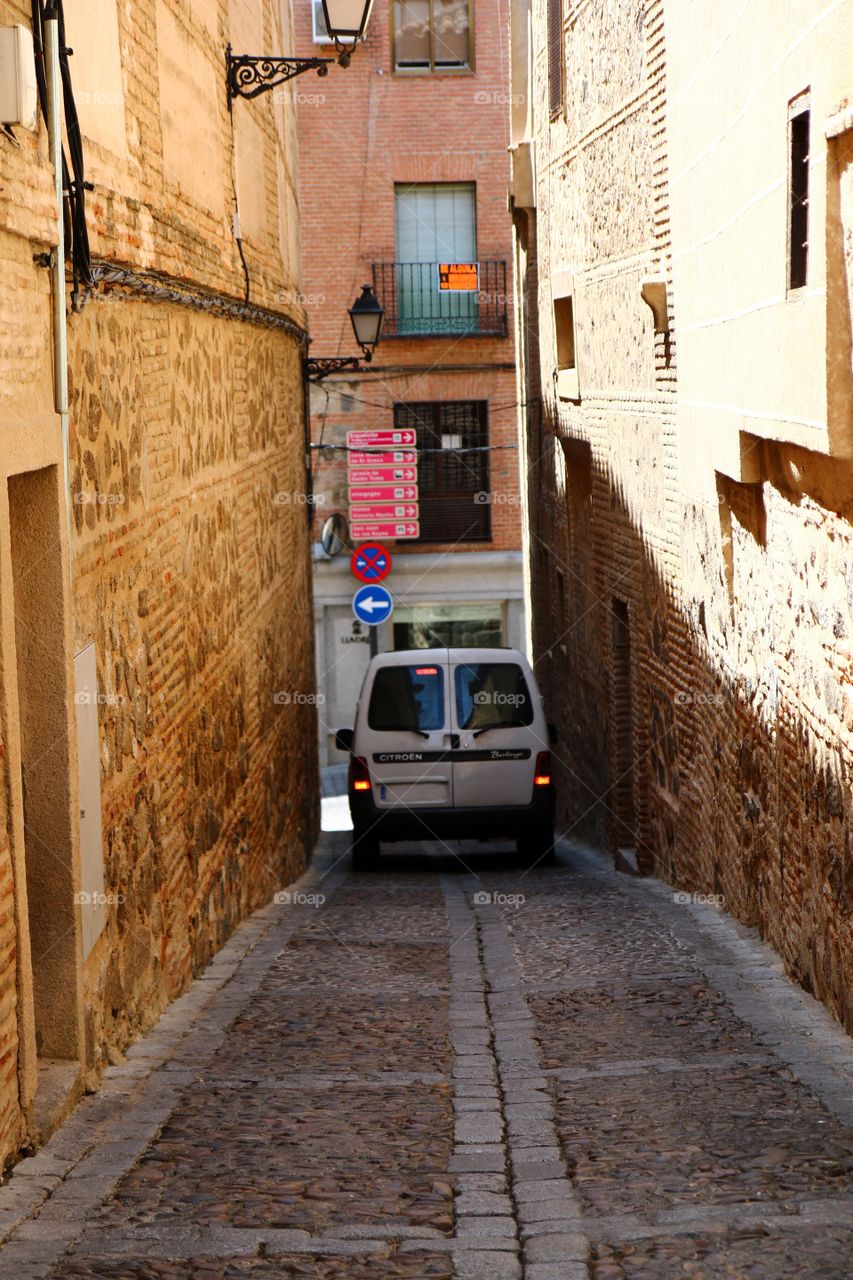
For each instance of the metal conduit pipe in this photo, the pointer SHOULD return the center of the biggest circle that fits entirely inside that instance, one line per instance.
(57, 266)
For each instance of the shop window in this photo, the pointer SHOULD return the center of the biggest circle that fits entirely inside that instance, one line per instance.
(452, 626)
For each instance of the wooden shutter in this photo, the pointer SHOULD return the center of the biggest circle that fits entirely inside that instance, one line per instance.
(555, 56)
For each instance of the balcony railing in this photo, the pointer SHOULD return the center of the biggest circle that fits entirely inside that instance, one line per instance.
(415, 307)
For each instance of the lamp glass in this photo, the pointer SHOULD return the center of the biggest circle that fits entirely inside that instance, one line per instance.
(367, 314)
(347, 19)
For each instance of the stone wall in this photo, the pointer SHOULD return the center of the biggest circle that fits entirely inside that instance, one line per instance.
(187, 427)
(724, 528)
(185, 578)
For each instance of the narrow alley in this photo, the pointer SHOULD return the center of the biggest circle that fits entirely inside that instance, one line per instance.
(566, 1074)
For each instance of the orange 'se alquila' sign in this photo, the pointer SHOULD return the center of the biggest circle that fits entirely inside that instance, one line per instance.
(458, 277)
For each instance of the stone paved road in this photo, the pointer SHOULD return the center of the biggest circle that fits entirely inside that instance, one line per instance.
(563, 1074)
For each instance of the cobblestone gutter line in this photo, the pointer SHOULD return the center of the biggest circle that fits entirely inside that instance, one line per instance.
(798, 1029)
(515, 1193)
(108, 1132)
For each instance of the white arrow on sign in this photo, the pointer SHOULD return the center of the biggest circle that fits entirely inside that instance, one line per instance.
(371, 604)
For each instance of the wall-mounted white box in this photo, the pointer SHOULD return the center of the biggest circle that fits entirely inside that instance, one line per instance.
(18, 91)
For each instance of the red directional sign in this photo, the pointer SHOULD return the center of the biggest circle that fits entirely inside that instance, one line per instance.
(384, 493)
(383, 484)
(371, 562)
(386, 529)
(399, 458)
(382, 511)
(381, 439)
(383, 475)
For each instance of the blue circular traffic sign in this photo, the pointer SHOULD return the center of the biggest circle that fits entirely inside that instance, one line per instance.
(373, 605)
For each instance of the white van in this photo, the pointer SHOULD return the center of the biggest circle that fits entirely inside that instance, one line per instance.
(450, 744)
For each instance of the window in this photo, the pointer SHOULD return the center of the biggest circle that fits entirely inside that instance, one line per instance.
(407, 698)
(432, 36)
(448, 626)
(435, 223)
(455, 502)
(798, 194)
(566, 372)
(564, 320)
(321, 31)
(492, 695)
(556, 57)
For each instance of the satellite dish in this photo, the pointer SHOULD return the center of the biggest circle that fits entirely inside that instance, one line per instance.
(334, 537)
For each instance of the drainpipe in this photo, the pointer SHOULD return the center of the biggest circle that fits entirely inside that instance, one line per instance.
(57, 266)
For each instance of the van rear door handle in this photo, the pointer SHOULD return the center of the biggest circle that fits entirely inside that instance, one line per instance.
(455, 741)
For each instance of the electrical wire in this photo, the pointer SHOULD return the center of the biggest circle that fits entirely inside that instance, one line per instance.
(411, 448)
(500, 408)
(74, 184)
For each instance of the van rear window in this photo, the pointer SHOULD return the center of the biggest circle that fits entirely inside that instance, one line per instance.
(408, 698)
(492, 695)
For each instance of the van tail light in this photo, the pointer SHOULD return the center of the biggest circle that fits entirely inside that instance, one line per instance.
(542, 777)
(360, 774)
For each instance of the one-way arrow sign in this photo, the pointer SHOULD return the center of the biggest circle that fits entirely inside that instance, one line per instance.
(373, 605)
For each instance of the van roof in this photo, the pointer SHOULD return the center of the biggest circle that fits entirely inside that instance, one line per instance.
(405, 657)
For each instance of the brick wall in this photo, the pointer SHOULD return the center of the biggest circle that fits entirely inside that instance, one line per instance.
(362, 130)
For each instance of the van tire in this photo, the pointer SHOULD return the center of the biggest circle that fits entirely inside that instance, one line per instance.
(365, 851)
(536, 847)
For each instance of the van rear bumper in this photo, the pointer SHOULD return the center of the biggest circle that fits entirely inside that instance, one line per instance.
(483, 822)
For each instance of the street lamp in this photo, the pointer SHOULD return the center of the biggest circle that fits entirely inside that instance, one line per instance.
(346, 22)
(250, 75)
(366, 314)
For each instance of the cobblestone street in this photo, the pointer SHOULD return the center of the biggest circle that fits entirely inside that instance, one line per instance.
(565, 1074)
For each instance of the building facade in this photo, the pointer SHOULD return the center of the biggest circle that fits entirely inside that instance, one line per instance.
(682, 198)
(403, 162)
(157, 773)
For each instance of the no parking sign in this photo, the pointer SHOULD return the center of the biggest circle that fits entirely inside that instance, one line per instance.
(371, 562)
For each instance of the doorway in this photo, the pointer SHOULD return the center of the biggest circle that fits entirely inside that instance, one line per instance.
(622, 794)
(49, 974)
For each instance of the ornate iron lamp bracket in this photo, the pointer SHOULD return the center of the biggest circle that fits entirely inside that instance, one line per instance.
(250, 76)
(319, 368)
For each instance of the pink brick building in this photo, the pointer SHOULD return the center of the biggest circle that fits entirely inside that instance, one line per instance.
(403, 166)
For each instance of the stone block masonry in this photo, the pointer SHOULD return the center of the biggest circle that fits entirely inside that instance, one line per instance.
(690, 523)
(186, 577)
(189, 577)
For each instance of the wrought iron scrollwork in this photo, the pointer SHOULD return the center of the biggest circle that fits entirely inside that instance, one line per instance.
(249, 76)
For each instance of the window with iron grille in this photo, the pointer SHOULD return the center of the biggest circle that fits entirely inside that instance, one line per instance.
(556, 70)
(453, 481)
